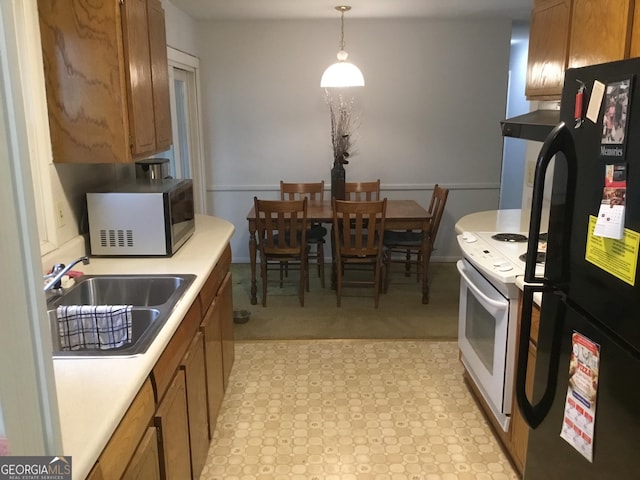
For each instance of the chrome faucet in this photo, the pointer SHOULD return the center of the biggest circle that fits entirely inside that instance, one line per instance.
(58, 271)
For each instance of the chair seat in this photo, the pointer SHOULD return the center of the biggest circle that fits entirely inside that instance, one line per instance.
(316, 234)
(409, 239)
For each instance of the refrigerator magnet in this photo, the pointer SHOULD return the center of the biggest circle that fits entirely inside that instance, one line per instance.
(610, 222)
(615, 119)
(582, 391)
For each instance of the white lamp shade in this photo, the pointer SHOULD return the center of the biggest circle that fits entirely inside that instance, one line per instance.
(342, 74)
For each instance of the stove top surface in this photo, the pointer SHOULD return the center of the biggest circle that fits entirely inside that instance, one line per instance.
(509, 237)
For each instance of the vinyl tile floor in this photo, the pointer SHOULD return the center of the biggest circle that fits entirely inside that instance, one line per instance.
(351, 410)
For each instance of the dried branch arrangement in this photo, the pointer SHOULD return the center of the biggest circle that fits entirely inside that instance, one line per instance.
(343, 127)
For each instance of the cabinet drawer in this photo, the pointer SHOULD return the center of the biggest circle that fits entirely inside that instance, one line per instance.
(170, 359)
(212, 284)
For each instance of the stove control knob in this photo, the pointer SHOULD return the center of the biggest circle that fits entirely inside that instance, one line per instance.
(504, 267)
(468, 237)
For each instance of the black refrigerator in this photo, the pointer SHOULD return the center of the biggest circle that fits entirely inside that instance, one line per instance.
(584, 412)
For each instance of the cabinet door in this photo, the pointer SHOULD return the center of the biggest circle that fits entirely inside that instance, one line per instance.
(213, 358)
(172, 422)
(145, 463)
(85, 81)
(225, 297)
(138, 59)
(634, 49)
(159, 75)
(194, 368)
(548, 48)
(130, 431)
(600, 31)
(519, 428)
(95, 473)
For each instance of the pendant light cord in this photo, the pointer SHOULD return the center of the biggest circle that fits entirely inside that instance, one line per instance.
(342, 30)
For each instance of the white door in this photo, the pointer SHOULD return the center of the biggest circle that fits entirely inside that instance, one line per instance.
(185, 155)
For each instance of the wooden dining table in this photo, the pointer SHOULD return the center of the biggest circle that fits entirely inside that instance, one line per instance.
(400, 215)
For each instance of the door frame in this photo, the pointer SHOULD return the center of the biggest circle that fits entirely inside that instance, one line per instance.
(191, 64)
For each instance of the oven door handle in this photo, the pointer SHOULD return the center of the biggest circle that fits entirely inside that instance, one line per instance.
(479, 293)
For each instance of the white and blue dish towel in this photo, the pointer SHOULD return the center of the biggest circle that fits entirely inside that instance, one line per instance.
(96, 327)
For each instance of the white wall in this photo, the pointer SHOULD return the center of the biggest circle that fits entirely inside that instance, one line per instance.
(430, 111)
(514, 150)
(181, 29)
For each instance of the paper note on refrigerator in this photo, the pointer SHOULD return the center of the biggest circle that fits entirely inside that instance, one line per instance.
(580, 404)
(610, 220)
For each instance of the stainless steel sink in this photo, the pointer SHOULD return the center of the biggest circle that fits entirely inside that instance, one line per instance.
(153, 298)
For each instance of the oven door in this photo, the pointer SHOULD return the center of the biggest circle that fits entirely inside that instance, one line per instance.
(483, 338)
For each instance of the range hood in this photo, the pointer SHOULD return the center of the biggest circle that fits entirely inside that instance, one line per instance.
(531, 126)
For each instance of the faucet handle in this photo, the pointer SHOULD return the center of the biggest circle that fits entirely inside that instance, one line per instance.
(57, 267)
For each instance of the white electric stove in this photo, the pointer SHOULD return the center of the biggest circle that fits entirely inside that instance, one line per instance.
(487, 321)
(499, 256)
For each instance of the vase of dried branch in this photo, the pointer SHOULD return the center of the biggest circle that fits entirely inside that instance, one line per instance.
(337, 181)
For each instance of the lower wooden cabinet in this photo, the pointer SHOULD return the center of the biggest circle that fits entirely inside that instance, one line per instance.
(166, 432)
(125, 440)
(225, 296)
(519, 430)
(213, 361)
(193, 365)
(145, 464)
(172, 421)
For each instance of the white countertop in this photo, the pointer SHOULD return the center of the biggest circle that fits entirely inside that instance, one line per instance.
(94, 393)
(513, 220)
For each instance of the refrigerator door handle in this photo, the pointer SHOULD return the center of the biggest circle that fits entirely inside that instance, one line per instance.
(560, 140)
(534, 414)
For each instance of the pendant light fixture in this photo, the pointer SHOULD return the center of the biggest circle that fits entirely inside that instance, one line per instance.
(342, 73)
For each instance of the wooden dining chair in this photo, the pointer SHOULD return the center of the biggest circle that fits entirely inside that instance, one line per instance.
(316, 233)
(409, 244)
(361, 191)
(358, 229)
(282, 240)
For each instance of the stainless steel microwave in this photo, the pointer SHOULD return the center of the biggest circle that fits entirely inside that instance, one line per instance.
(141, 218)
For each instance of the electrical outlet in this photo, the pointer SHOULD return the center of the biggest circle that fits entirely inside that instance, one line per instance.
(60, 216)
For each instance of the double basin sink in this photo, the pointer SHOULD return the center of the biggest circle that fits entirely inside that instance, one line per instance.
(153, 298)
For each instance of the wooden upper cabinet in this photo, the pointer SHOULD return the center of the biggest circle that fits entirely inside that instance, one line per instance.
(634, 49)
(576, 33)
(135, 28)
(600, 31)
(548, 48)
(85, 80)
(159, 74)
(103, 65)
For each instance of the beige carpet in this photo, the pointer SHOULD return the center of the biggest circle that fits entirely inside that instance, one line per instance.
(401, 315)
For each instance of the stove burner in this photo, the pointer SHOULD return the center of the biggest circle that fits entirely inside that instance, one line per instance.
(541, 257)
(509, 237)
